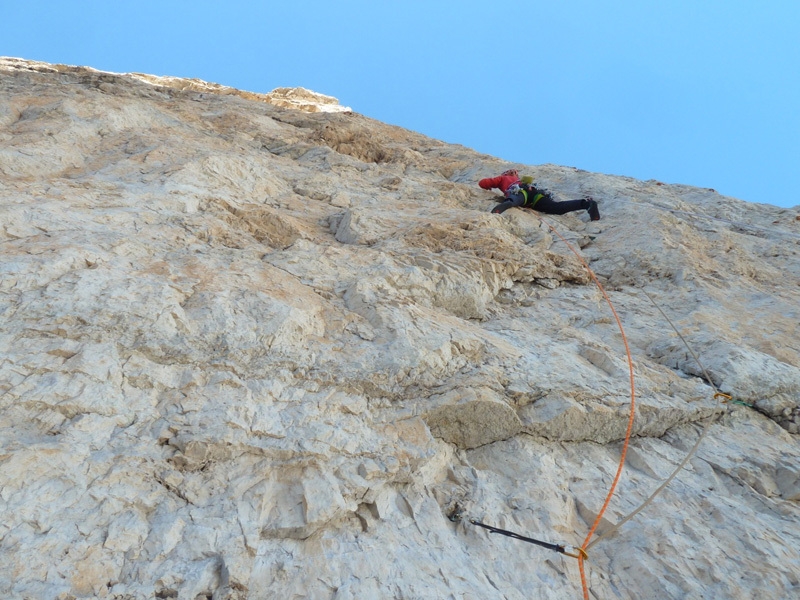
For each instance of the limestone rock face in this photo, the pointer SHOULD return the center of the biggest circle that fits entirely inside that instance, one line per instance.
(254, 351)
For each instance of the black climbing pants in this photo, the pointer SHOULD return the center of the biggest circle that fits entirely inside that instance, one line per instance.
(545, 204)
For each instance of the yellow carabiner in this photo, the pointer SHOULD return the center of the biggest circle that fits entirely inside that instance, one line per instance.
(574, 551)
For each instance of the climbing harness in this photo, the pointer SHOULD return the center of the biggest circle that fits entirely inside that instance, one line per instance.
(526, 189)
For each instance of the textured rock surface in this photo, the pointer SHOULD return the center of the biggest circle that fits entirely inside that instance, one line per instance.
(250, 351)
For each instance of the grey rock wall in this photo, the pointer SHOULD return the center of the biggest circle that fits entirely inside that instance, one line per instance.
(251, 351)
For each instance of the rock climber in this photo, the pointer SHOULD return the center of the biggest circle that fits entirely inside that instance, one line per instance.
(522, 192)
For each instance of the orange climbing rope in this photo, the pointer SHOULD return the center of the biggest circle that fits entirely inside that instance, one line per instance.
(717, 396)
(582, 555)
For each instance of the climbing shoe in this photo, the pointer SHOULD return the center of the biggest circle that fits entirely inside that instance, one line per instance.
(594, 212)
(498, 209)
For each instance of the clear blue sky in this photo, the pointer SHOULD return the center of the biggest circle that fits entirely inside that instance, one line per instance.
(701, 92)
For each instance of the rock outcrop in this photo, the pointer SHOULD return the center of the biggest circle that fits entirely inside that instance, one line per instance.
(258, 346)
